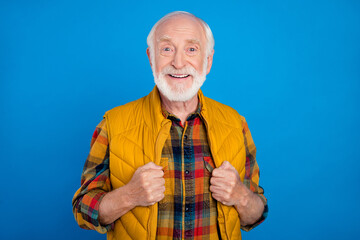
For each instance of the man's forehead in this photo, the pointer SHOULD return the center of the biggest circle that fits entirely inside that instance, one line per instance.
(167, 38)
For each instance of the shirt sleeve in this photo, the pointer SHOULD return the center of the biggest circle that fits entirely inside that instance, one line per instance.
(95, 182)
(252, 174)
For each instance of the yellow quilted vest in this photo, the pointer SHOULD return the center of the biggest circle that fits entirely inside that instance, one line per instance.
(137, 132)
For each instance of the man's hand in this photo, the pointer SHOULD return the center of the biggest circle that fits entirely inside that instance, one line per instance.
(227, 188)
(146, 187)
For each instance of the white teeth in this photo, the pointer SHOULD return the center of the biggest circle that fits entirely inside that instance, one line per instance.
(179, 76)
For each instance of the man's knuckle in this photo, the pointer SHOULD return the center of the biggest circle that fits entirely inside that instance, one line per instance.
(227, 196)
(148, 196)
(142, 181)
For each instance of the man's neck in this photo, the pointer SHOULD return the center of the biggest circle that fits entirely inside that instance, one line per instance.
(180, 109)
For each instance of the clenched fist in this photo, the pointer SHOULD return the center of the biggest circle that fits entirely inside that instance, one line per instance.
(147, 185)
(226, 186)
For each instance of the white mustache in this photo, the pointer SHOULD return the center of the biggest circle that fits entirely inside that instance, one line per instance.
(184, 71)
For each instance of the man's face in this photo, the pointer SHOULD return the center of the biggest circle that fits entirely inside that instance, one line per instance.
(180, 62)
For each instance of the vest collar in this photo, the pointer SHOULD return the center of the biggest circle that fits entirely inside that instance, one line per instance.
(153, 109)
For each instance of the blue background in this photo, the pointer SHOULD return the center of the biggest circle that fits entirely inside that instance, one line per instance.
(292, 68)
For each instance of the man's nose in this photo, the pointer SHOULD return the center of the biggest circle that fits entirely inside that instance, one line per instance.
(179, 60)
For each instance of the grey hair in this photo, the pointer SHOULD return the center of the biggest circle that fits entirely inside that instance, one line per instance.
(208, 33)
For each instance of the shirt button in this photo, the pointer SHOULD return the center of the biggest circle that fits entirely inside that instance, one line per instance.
(185, 137)
(186, 209)
(187, 171)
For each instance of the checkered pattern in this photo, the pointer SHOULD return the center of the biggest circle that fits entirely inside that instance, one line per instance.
(188, 209)
(95, 182)
(252, 174)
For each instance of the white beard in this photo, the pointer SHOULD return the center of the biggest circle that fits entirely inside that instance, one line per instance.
(179, 92)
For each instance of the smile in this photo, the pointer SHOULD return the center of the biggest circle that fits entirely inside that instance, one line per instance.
(179, 75)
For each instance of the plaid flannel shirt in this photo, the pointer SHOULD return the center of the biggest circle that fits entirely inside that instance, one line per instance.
(188, 211)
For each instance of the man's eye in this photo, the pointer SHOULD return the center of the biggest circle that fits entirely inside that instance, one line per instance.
(167, 49)
(192, 49)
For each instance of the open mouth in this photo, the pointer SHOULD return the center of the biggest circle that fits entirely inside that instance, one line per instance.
(179, 75)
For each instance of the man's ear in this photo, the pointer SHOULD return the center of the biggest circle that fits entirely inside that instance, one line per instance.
(210, 61)
(148, 54)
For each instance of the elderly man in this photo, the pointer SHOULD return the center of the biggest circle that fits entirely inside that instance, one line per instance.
(173, 164)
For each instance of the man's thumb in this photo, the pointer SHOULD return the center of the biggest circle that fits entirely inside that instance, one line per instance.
(151, 165)
(225, 165)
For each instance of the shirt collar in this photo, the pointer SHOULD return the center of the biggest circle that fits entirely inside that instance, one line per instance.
(172, 117)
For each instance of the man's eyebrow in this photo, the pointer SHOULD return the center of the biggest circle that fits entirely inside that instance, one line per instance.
(194, 40)
(164, 38)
